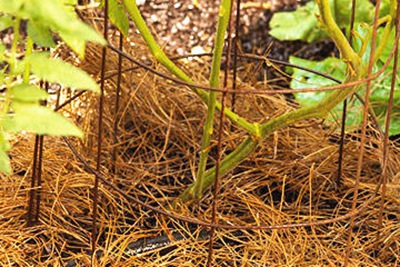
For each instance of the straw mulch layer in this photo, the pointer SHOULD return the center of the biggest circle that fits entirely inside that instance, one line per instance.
(289, 179)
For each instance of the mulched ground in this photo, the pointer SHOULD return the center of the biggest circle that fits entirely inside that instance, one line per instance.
(289, 179)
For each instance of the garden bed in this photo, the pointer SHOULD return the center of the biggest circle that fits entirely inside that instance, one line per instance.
(152, 153)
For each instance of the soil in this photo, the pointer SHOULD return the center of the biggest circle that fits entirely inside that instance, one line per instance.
(184, 27)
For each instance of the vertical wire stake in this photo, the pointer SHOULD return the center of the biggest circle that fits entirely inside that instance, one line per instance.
(99, 135)
(36, 179)
(40, 166)
(363, 135)
(117, 104)
(235, 53)
(39, 178)
(385, 152)
(219, 146)
(344, 112)
(33, 191)
(341, 146)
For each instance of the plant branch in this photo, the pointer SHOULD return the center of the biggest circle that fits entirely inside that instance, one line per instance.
(328, 23)
(321, 109)
(158, 53)
(249, 145)
(223, 20)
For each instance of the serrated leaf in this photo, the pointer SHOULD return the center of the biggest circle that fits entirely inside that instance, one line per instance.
(79, 31)
(40, 120)
(40, 34)
(27, 93)
(77, 39)
(5, 22)
(62, 19)
(58, 71)
(76, 44)
(57, 15)
(301, 24)
(53, 13)
(118, 16)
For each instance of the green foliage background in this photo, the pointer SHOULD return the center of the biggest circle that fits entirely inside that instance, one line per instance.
(302, 24)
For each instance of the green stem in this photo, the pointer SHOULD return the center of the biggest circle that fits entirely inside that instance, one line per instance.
(332, 29)
(249, 145)
(158, 53)
(243, 151)
(321, 109)
(224, 14)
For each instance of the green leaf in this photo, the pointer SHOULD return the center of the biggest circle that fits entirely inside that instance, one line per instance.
(336, 68)
(304, 79)
(5, 22)
(40, 34)
(388, 49)
(27, 93)
(61, 18)
(381, 111)
(58, 71)
(301, 24)
(384, 8)
(12, 7)
(380, 96)
(53, 13)
(78, 34)
(76, 44)
(38, 119)
(5, 166)
(76, 39)
(364, 12)
(118, 16)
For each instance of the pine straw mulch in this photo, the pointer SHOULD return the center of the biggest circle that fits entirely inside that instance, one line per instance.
(288, 180)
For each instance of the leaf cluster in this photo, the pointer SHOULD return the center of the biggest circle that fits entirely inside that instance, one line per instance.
(21, 101)
(46, 17)
(302, 24)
